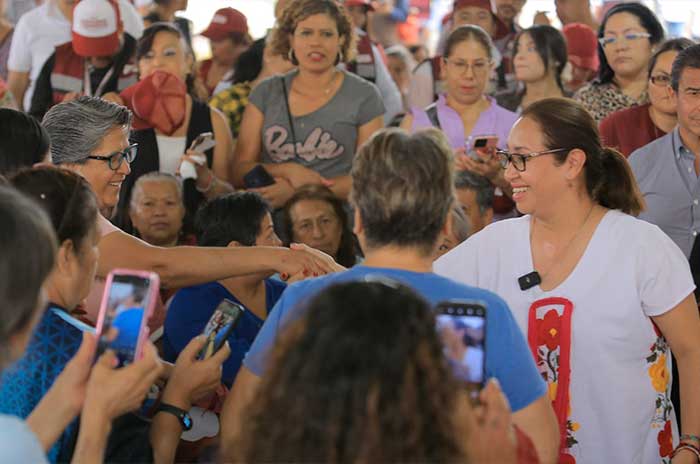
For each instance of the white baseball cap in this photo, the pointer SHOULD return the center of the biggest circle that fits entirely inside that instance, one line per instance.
(96, 28)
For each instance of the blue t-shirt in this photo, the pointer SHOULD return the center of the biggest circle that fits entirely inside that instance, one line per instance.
(508, 356)
(56, 339)
(190, 311)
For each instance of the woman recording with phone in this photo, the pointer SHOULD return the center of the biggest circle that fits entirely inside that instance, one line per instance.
(465, 113)
(53, 351)
(173, 137)
(306, 126)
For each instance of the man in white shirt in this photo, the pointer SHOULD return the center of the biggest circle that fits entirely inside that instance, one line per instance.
(37, 34)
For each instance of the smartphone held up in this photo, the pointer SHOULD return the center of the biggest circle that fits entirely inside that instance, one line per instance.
(461, 326)
(127, 303)
(481, 143)
(219, 327)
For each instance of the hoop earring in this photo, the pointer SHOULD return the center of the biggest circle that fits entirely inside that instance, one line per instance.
(292, 57)
(340, 58)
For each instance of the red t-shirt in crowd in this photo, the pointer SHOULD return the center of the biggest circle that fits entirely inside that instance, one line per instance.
(629, 129)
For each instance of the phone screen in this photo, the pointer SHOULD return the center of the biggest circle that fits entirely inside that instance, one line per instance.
(481, 142)
(125, 311)
(220, 326)
(462, 330)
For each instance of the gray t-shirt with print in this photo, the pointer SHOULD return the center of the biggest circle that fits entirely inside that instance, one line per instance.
(326, 139)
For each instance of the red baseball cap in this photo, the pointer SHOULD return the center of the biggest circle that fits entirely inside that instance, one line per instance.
(582, 45)
(224, 22)
(501, 28)
(158, 101)
(366, 3)
(96, 28)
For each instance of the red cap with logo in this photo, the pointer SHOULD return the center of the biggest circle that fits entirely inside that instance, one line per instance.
(96, 28)
(582, 45)
(366, 3)
(158, 101)
(501, 30)
(224, 22)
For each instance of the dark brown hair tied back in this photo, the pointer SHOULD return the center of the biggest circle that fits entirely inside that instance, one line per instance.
(609, 179)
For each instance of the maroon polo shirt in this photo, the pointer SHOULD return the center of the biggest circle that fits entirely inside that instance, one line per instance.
(629, 129)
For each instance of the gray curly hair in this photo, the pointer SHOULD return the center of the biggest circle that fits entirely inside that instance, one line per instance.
(78, 127)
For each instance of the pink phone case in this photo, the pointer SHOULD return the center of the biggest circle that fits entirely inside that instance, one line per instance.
(153, 289)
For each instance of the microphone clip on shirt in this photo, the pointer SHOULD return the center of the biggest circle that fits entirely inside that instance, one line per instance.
(530, 280)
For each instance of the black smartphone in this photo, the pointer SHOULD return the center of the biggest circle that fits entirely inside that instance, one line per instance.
(461, 326)
(219, 327)
(258, 177)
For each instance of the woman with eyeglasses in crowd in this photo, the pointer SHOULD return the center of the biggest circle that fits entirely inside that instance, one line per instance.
(635, 127)
(627, 37)
(601, 295)
(465, 111)
(56, 338)
(304, 127)
(90, 136)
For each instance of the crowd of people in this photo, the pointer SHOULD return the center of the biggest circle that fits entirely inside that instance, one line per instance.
(340, 184)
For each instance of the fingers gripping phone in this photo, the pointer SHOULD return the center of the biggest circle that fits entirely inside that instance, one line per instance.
(127, 303)
(204, 141)
(461, 326)
(220, 326)
(481, 143)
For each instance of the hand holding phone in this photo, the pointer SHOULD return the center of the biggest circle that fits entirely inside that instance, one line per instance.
(192, 378)
(462, 329)
(127, 304)
(481, 144)
(204, 141)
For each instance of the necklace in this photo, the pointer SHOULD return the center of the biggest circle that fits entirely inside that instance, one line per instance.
(536, 276)
(324, 92)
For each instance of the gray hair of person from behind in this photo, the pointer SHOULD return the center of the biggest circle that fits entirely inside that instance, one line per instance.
(688, 58)
(402, 186)
(465, 180)
(28, 245)
(154, 177)
(79, 126)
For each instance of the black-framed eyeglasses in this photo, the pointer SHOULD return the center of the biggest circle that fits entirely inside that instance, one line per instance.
(519, 159)
(116, 159)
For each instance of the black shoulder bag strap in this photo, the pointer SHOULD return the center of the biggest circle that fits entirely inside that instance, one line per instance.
(289, 116)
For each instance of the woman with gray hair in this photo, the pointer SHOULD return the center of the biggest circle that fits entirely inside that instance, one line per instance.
(90, 136)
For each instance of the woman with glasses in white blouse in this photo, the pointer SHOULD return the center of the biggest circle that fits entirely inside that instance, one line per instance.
(601, 295)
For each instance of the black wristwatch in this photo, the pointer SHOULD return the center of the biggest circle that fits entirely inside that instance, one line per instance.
(182, 415)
